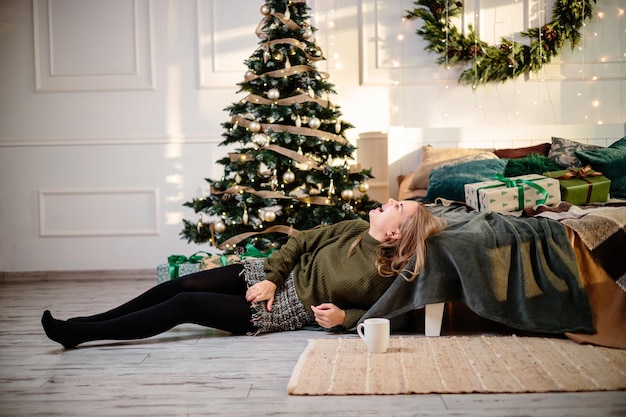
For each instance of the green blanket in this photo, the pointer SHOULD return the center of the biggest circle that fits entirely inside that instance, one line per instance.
(518, 271)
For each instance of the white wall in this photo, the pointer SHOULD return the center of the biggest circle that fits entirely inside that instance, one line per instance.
(110, 110)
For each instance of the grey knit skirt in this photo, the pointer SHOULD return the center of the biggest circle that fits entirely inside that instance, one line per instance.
(288, 312)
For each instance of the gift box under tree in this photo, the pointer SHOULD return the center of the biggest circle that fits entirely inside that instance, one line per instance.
(217, 261)
(179, 265)
(580, 186)
(509, 194)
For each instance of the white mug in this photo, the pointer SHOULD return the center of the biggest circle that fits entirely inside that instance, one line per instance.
(375, 333)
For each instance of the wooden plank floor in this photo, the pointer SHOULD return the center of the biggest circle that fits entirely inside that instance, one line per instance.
(193, 371)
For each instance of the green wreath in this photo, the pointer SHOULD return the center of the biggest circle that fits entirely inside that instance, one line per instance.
(509, 60)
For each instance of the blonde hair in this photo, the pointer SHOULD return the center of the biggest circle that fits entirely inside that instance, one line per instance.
(392, 256)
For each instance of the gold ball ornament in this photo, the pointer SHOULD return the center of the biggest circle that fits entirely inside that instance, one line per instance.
(273, 94)
(347, 194)
(248, 75)
(364, 187)
(219, 226)
(265, 10)
(269, 216)
(307, 34)
(289, 177)
(315, 123)
(254, 126)
(261, 139)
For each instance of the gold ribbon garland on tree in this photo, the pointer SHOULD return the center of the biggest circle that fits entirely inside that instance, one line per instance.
(286, 72)
(230, 243)
(510, 59)
(233, 241)
(305, 131)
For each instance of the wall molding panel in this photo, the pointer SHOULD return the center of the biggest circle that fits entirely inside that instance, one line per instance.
(386, 45)
(114, 39)
(220, 39)
(78, 212)
(370, 72)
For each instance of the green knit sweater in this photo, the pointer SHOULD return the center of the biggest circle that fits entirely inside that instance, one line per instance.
(323, 272)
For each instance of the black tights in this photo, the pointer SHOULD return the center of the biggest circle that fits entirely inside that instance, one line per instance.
(213, 298)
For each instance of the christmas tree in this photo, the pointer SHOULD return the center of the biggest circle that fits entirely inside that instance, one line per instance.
(291, 169)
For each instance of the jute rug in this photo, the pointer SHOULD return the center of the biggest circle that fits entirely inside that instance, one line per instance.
(487, 364)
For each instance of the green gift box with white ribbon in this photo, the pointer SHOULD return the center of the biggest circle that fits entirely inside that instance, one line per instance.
(504, 194)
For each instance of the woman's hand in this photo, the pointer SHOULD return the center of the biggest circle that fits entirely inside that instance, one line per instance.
(261, 291)
(329, 315)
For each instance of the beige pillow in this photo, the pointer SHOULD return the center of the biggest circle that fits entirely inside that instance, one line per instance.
(433, 158)
(474, 157)
(403, 189)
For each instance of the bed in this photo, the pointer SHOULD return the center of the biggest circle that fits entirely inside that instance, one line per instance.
(546, 269)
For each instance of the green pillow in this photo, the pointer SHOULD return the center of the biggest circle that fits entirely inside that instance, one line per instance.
(449, 181)
(611, 162)
(530, 164)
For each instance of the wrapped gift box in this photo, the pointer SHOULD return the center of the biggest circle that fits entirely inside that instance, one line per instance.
(179, 265)
(217, 261)
(164, 273)
(582, 185)
(515, 193)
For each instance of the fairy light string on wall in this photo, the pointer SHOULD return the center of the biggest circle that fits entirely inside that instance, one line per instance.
(474, 51)
(541, 14)
(582, 68)
(511, 58)
(543, 85)
(513, 66)
(447, 67)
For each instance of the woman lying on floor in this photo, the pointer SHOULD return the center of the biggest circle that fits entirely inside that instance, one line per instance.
(329, 275)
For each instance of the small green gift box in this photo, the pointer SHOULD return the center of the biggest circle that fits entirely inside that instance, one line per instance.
(580, 186)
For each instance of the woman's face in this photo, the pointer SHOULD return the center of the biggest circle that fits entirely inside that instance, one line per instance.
(386, 220)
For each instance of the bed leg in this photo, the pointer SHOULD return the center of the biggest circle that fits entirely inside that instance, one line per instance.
(433, 319)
